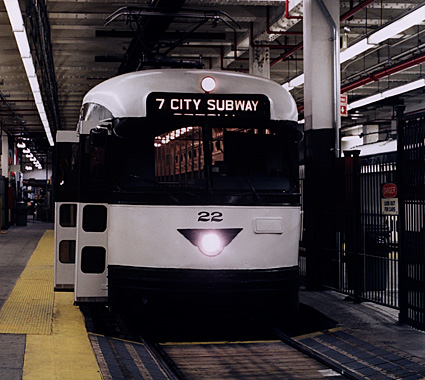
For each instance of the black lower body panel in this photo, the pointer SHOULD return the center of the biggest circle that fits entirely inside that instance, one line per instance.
(162, 286)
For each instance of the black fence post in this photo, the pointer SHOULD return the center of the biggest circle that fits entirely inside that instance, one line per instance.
(357, 229)
(402, 216)
(353, 228)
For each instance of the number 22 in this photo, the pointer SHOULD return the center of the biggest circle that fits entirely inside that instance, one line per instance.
(205, 216)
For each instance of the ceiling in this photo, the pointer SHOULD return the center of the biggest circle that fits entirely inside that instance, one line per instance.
(74, 49)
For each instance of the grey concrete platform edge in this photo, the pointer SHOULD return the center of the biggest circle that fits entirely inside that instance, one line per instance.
(375, 323)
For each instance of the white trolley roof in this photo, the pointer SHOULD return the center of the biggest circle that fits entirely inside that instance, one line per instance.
(125, 95)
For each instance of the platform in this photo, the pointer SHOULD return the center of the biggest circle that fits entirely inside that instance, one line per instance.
(43, 335)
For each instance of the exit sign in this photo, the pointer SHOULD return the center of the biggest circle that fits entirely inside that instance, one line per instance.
(343, 105)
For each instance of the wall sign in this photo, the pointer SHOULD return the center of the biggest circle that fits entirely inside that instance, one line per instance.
(389, 202)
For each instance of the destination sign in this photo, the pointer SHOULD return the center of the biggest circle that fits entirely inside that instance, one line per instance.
(198, 105)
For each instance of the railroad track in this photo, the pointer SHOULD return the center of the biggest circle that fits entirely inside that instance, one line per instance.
(273, 357)
(243, 348)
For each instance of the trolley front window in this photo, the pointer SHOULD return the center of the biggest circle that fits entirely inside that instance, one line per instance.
(196, 162)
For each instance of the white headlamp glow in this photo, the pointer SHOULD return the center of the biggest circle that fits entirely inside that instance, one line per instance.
(211, 244)
(208, 84)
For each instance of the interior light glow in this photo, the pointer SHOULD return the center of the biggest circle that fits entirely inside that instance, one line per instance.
(211, 244)
(28, 168)
(208, 84)
(26, 151)
(21, 145)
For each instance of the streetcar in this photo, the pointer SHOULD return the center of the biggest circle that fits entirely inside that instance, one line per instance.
(180, 185)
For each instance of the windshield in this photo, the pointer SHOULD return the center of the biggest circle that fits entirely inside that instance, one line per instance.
(204, 160)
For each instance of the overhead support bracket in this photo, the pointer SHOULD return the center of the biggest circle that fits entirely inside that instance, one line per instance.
(133, 13)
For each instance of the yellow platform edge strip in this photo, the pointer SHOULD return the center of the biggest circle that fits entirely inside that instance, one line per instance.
(67, 352)
(57, 343)
(29, 308)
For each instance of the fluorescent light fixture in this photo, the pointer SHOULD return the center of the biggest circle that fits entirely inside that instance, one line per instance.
(21, 145)
(17, 23)
(34, 84)
(388, 93)
(414, 17)
(364, 101)
(287, 87)
(354, 50)
(40, 108)
(297, 81)
(15, 15)
(26, 151)
(391, 30)
(29, 67)
(350, 138)
(23, 45)
(404, 88)
(38, 99)
(43, 117)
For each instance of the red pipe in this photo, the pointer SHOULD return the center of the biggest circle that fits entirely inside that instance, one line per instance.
(269, 31)
(356, 9)
(287, 12)
(287, 54)
(384, 73)
(379, 75)
(346, 15)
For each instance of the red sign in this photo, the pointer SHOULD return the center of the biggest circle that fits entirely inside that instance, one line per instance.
(343, 105)
(389, 190)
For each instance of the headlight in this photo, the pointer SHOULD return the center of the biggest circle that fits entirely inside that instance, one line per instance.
(208, 84)
(211, 244)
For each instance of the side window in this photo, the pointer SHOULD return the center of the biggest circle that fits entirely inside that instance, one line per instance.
(93, 259)
(94, 218)
(67, 251)
(68, 215)
(95, 112)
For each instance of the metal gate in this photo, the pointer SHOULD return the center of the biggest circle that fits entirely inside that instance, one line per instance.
(379, 213)
(367, 239)
(364, 263)
(411, 161)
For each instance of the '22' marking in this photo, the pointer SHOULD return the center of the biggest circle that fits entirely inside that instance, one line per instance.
(205, 216)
